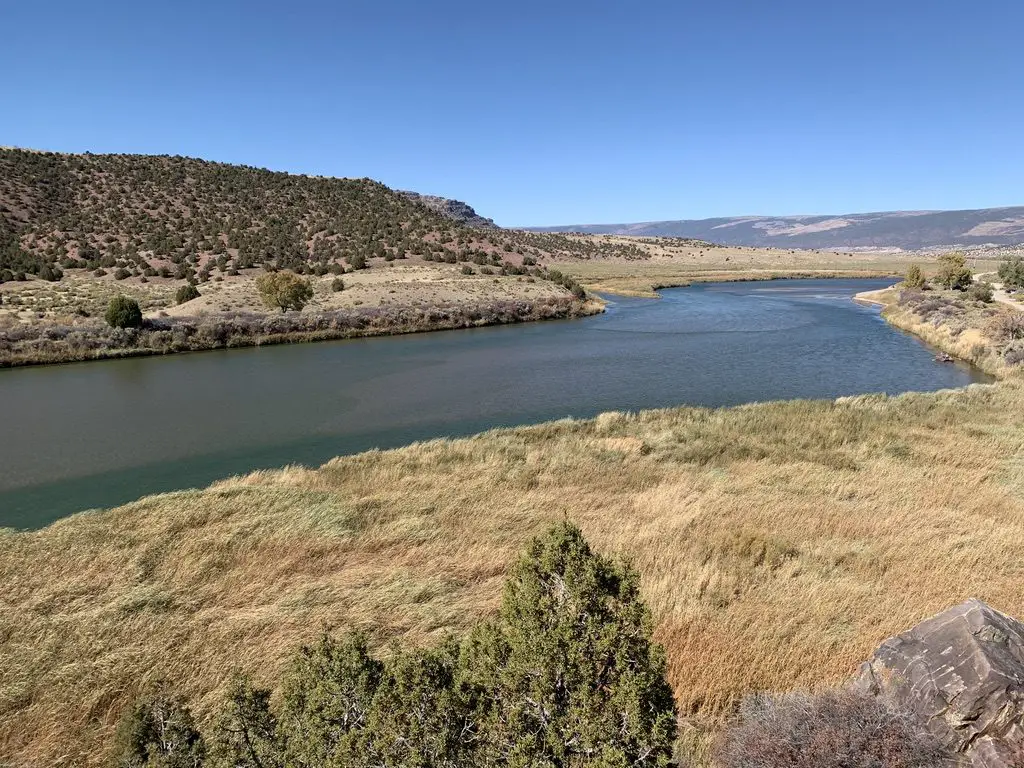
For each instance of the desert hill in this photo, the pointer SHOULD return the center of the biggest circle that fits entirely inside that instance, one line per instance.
(169, 217)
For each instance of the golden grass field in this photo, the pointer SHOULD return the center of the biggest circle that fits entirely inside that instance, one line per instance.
(778, 544)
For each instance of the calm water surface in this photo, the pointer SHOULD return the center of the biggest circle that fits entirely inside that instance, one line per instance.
(99, 434)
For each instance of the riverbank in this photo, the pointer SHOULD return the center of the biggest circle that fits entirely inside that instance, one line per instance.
(391, 301)
(648, 287)
(52, 343)
(778, 543)
(674, 268)
(989, 336)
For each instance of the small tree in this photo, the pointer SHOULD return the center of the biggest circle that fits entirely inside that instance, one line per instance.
(159, 732)
(284, 290)
(187, 292)
(954, 273)
(569, 674)
(1011, 273)
(914, 277)
(123, 312)
(337, 285)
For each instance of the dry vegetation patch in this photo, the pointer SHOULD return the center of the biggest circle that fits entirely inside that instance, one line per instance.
(989, 335)
(778, 543)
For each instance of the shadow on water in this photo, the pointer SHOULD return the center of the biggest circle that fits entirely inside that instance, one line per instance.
(101, 434)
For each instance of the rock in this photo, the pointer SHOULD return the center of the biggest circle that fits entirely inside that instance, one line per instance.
(962, 672)
(456, 210)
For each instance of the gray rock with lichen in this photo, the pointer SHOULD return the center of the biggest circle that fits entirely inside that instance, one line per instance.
(962, 672)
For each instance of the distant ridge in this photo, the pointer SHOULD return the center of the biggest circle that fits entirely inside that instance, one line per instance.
(910, 230)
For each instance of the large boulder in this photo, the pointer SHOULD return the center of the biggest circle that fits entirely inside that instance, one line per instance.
(962, 672)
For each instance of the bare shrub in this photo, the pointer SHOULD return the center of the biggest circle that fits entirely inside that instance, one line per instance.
(1013, 353)
(834, 729)
(1007, 326)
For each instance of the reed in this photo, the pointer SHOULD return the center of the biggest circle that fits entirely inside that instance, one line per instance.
(778, 543)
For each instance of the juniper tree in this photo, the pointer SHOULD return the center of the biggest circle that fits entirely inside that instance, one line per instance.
(123, 312)
(421, 715)
(914, 277)
(328, 694)
(569, 675)
(954, 273)
(566, 676)
(187, 292)
(1011, 272)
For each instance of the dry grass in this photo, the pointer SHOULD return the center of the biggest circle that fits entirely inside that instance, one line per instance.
(37, 301)
(95, 340)
(678, 266)
(387, 285)
(395, 284)
(644, 279)
(778, 544)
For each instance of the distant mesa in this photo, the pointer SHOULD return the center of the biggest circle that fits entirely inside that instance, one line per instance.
(909, 230)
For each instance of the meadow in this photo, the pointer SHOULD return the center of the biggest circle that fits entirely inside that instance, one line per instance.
(778, 543)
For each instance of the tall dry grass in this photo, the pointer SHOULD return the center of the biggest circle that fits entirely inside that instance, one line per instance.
(778, 544)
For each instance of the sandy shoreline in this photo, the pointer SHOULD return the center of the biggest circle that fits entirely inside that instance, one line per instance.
(876, 298)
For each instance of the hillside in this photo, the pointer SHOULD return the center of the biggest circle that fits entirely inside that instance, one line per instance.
(909, 230)
(180, 218)
(78, 230)
(147, 213)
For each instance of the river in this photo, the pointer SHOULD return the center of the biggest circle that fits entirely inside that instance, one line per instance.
(99, 434)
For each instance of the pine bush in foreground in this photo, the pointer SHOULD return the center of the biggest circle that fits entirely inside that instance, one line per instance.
(566, 676)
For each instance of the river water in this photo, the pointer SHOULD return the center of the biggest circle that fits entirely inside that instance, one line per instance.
(87, 435)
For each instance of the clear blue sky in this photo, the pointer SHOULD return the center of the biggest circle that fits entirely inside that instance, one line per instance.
(551, 112)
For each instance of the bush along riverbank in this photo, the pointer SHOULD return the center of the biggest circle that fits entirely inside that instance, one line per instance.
(960, 313)
(94, 340)
(987, 335)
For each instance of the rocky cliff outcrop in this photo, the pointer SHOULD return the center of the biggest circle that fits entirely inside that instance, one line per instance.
(456, 210)
(962, 672)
